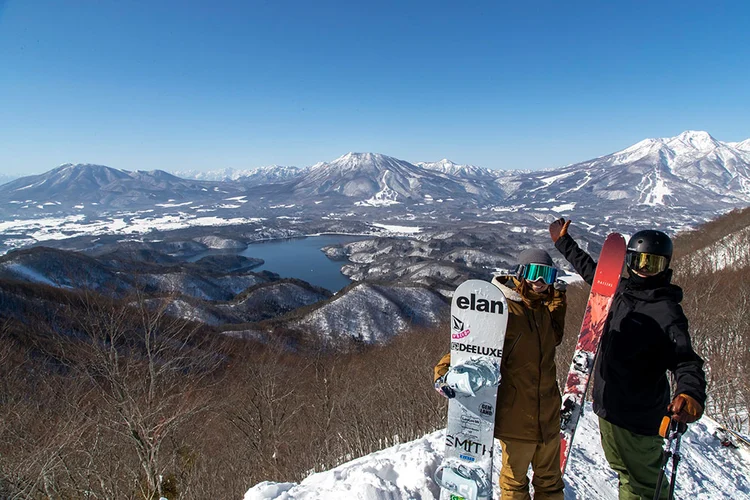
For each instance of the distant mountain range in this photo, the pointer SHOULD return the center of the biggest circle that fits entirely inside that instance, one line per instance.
(259, 175)
(691, 172)
(7, 178)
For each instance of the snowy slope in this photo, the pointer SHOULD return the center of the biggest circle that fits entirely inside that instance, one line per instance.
(373, 313)
(690, 169)
(732, 251)
(707, 470)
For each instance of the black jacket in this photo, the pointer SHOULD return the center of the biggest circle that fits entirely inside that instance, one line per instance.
(646, 334)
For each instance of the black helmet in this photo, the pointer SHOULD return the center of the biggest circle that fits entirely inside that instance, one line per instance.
(649, 252)
(651, 241)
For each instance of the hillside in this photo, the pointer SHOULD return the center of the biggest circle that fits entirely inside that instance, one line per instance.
(109, 387)
(707, 470)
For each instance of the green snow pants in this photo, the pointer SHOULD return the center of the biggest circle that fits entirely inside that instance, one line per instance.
(636, 459)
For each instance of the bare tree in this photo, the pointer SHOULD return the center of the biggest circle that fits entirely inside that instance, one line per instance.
(152, 372)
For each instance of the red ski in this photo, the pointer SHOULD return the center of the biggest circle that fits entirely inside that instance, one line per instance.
(606, 279)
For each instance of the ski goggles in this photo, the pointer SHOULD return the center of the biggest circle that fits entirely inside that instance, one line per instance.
(535, 272)
(646, 263)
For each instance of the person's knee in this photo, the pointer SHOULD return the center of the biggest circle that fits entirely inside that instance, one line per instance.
(551, 483)
(513, 480)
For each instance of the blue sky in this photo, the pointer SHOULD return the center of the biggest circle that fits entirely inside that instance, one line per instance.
(206, 85)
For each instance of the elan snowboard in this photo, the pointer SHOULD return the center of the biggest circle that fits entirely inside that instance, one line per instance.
(606, 279)
(479, 317)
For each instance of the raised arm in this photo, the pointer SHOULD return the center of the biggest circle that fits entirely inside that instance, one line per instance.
(566, 245)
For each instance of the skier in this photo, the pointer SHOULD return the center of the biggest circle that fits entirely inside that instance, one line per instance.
(645, 336)
(527, 421)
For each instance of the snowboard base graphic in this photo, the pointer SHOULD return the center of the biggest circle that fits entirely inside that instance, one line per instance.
(479, 317)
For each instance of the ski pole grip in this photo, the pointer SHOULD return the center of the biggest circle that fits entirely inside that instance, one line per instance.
(668, 424)
(665, 425)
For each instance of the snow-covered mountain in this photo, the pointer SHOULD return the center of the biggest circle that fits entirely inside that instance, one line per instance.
(742, 146)
(5, 178)
(81, 185)
(707, 470)
(260, 175)
(674, 183)
(690, 170)
(67, 178)
(374, 179)
(446, 166)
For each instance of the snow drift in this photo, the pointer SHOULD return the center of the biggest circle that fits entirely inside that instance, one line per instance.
(707, 470)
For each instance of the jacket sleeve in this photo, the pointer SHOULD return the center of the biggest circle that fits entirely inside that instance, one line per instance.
(579, 259)
(687, 366)
(442, 367)
(557, 307)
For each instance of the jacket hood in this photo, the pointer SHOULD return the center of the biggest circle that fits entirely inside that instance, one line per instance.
(507, 285)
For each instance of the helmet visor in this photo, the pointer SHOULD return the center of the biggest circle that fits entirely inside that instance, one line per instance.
(534, 272)
(647, 263)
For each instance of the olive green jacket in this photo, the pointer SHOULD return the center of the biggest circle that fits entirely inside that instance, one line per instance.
(528, 399)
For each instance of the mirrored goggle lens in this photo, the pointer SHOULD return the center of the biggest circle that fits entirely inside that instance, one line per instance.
(533, 272)
(647, 263)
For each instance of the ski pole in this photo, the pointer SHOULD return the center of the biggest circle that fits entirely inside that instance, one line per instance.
(675, 460)
(664, 431)
(672, 430)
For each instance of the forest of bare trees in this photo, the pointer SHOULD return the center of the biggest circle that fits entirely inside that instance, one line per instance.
(103, 399)
(140, 405)
(717, 304)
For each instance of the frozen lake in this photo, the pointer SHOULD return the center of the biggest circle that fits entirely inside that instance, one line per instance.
(301, 258)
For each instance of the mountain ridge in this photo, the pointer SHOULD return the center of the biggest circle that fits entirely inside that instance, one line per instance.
(688, 175)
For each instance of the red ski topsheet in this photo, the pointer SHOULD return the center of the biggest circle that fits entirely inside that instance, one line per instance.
(606, 279)
(609, 267)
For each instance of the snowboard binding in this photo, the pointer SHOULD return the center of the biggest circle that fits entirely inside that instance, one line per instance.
(463, 481)
(468, 378)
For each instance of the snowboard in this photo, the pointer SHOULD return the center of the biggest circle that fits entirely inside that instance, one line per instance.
(606, 279)
(479, 317)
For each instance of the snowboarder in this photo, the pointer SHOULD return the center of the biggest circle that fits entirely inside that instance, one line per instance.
(527, 421)
(646, 335)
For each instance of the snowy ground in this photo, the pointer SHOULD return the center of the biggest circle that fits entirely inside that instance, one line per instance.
(707, 471)
(18, 233)
(21, 232)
